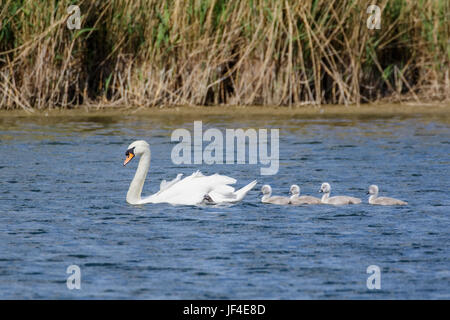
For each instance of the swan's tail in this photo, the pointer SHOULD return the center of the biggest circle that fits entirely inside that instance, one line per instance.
(226, 194)
(240, 194)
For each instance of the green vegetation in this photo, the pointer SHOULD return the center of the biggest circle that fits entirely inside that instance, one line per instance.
(208, 52)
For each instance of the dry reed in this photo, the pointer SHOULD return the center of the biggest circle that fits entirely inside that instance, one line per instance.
(209, 52)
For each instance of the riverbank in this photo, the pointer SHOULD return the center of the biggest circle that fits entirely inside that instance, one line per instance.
(241, 111)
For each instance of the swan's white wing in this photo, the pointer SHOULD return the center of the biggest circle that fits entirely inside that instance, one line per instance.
(219, 195)
(162, 185)
(226, 194)
(191, 190)
(223, 189)
(165, 185)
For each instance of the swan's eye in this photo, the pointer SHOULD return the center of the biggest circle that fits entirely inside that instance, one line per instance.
(129, 151)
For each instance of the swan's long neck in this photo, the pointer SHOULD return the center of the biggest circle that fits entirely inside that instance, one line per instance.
(266, 196)
(295, 196)
(325, 196)
(373, 197)
(135, 190)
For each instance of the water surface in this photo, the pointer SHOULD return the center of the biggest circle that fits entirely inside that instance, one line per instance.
(62, 202)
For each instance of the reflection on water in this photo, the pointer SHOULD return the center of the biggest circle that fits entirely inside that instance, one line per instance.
(62, 202)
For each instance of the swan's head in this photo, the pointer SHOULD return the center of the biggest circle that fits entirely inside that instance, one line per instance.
(325, 187)
(137, 148)
(294, 190)
(373, 189)
(266, 189)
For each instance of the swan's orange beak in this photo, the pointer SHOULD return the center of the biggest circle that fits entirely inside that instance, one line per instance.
(130, 155)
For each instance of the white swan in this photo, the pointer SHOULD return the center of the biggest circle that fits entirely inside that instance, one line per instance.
(296, 199)
(384, 201)
(337, 200)
(191, 190)
(267, 196)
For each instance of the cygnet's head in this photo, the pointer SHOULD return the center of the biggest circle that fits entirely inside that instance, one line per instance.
(294, 190)
(266, 189)
(325, 188)
(137, 148)
(373, 189)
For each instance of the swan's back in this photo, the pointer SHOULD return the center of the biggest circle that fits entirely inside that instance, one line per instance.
(305, 200)
(166, 185)
(386, 201)
(341, 200)
(276, 200)
(192, 189)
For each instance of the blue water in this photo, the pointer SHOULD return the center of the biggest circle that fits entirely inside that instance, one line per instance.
(62, 202)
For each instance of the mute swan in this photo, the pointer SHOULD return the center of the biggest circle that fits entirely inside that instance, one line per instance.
(191, 190)
(267, 198)
(337, 200)
(384, 201)
(297, 199)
